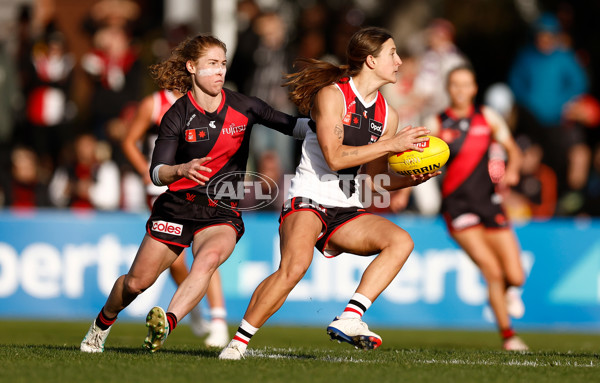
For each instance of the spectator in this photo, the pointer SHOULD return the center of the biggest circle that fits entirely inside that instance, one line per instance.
(534, 197)
(272, 61)
(544, 77)
(51, 66)
(24, 188)
(592, 203)
(115, 69)
(91, 181)
(441, 56)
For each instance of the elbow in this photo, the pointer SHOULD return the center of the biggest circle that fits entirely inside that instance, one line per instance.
(334, 164)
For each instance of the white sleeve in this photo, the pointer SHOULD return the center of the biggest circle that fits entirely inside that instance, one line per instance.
(105, 194)
(301, 128)
(500, 130)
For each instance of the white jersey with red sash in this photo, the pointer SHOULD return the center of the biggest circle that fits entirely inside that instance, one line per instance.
(364, 123)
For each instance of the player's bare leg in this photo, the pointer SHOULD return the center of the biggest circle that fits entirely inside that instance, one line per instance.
(475, 243)
(362, 236)
(506, 247)
(152, 258)
(299, 233)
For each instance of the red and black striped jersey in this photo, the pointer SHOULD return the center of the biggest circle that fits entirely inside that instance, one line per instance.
(188, 132)
(469, 140)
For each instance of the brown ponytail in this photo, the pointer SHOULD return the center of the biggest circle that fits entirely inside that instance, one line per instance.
(317, 74)
(172, 73)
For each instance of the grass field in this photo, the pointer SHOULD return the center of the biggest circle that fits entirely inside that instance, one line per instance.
(49, 352)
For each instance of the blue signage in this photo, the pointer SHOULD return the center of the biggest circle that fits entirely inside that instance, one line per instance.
(62, 265)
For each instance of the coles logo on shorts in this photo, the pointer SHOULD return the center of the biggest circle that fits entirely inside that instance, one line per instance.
(167, 227)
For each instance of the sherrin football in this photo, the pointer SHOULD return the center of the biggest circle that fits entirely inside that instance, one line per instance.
(434, 155)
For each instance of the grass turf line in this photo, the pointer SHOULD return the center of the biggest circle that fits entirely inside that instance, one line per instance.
(49, 352)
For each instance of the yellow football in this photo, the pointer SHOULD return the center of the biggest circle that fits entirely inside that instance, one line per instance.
(434, 155)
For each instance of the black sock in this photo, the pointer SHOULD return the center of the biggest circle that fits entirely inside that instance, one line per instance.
(103, 321)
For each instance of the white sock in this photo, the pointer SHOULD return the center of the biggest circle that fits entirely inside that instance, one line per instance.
(218, 313)
(244, 334)
(356, 307)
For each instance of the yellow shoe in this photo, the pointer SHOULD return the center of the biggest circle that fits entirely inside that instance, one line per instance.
(158, 329)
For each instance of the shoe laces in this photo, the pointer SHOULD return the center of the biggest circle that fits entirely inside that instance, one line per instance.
(97, 338)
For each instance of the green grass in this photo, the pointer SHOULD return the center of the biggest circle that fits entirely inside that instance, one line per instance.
(49, 352)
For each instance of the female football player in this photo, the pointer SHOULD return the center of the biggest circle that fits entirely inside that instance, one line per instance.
(471, 205)
(204, 135)
(354, 127)
(141, 137)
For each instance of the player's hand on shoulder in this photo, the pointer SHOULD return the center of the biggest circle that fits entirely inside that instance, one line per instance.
(191, 170)
(407, 138)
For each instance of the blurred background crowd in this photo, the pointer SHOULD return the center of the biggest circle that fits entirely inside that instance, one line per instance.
(72, 74)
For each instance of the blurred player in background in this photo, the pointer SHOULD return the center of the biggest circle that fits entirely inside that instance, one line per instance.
(204, 135)
(143, 132)
(354, 126)
(471, 205)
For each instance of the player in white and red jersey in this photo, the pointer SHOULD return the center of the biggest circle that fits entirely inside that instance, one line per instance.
(354, 127)
(471, 204)
(138, 146)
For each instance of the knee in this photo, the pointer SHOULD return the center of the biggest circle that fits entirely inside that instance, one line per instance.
(516, 279)
(135, 286)
(400, 244)
(492, 272)
(293, 273)
(209, 261)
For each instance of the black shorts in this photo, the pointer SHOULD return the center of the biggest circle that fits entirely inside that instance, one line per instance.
(461, 213)
(175, 220)
(332, 218)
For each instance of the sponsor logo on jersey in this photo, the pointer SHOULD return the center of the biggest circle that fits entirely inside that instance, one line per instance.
(479, 130)
(196, 135)
(190, 120)
(373, 139)
(233, 130)
(464, 221)
(375, 127)
(304, 205)
(352, 120)
(212, 125)
(167, 227)
(449, 135)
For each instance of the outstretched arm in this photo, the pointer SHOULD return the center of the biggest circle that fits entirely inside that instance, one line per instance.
(282, 122)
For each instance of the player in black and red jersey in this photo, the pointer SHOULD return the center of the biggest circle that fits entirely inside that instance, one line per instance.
(138, 146)
(471, 204)
(204, 136)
